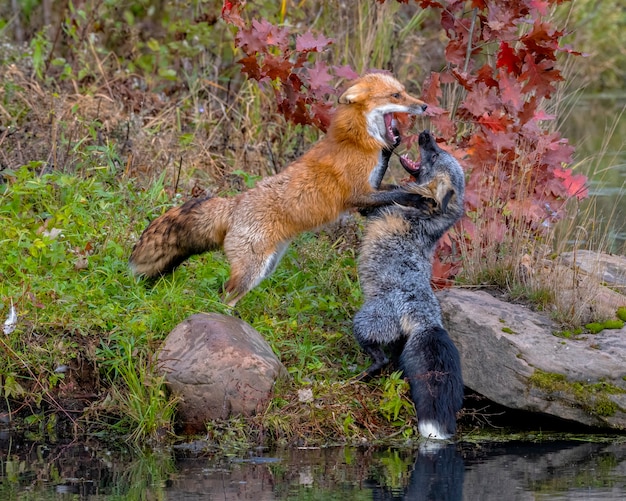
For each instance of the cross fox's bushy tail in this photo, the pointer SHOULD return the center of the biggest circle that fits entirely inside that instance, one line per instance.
(401, 313)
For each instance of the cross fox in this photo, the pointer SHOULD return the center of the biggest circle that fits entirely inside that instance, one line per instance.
(401, 312)
(343, 170)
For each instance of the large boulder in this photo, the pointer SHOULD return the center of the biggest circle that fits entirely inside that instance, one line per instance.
(219, 366)
(512, 356)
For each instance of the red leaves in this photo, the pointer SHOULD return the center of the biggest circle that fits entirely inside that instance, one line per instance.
(540, 77)
(301, 88)
(308, 43)
(509, 59)
(517, 168)
(260, 36)
(231, 13)
(575, 184)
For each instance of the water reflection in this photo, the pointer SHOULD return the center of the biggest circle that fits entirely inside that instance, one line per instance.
(471, 471)
(596, 127)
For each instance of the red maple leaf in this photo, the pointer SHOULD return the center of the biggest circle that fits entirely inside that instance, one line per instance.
(431, 89)
(541, 6)
(345, 72)
(542, 41)
(555, 150)
(481, 152)
(308, 43)
(261, 34)
(568, 49)
(542, 115)
(510, 92)
(540, 78)
(494, 122)
(481, 101)
(501, 139)
(485, 75)
(231, 13)
(575, 184)
(250, 66)
(319, 78)
(455, 52)
(321, 115)
(424, 4)
(276, 67)
(443, 124)
(508, 58)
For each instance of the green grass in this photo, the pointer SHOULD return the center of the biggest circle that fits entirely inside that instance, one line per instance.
(67, 241)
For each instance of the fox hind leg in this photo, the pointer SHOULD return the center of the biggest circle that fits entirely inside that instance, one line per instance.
(373, 329)
(380, 360)
(249, 271)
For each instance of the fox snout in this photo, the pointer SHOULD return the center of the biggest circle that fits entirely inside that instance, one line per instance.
(427, 142)
(414, 105)
(418, 108)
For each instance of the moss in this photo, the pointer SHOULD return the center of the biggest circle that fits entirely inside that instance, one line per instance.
(547, 381)
(621, 313)
(614, 324)
(594, 327)
(508, 330)
(605, 407)
(592, 397)
(568, 334)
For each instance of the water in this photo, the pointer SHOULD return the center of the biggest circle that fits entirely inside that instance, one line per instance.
(555, 470)
(596, 127)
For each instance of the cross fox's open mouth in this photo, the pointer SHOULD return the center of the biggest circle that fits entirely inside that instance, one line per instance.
(411, 166)
(391, 130)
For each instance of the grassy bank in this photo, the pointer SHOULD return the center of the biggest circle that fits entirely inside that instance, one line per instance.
(87, 331)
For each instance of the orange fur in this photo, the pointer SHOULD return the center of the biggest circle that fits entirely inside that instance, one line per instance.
(255, 227)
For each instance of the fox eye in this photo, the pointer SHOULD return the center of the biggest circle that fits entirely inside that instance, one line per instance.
(396, 95)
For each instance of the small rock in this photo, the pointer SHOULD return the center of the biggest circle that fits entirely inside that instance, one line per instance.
(219, 366)
(305, 395)
(610, 269)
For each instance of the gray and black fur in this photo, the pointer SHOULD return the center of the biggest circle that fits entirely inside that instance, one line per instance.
(401, 313)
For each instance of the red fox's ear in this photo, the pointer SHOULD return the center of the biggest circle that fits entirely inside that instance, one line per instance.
(353, 94)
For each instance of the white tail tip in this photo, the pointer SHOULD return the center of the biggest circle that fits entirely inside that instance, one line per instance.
(431, 429)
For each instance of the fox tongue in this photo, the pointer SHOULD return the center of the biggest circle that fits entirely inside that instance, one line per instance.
(409, 165)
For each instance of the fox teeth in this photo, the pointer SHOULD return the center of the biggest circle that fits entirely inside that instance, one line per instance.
(391, 134)
(409, 164)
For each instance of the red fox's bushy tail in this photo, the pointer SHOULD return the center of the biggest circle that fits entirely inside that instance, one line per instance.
(197, 226)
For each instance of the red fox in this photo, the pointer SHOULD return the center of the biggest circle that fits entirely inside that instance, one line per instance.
(341, 171)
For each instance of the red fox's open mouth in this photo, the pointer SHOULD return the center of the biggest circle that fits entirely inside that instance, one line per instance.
(391, 132)
(411, 166)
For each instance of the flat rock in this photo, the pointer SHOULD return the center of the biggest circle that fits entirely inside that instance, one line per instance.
(219, 366)
(504, 345)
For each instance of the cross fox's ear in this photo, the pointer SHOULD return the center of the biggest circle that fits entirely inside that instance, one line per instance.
(354, 94)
